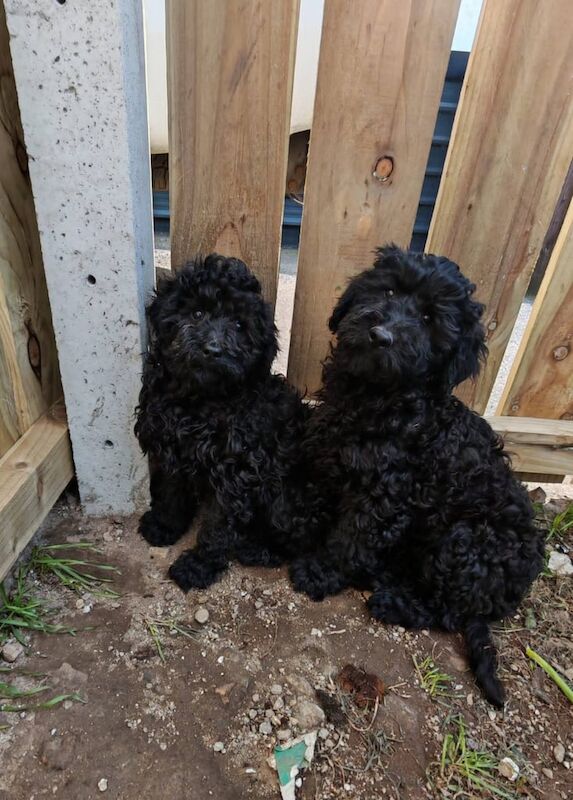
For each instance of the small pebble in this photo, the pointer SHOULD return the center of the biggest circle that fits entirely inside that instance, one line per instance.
(284, 735)
(470, 699)
(102, 784)
(559, 752)
(12, 651)
(256, 698)
(276, 688)
(259, 604)
(508, 768)
(323, 733)
(219, 747)
(252, 713)
(201, 615)
(80, 602)
(547, 772)
(265, 728)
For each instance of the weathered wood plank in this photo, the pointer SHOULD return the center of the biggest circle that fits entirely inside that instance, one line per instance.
(380, 76)
(540, 383)
(29, 376)
(510, 151)
(230, 70)
(33, 473)
(537, 445)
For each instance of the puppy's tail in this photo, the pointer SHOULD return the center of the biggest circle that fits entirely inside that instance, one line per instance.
(483, 660)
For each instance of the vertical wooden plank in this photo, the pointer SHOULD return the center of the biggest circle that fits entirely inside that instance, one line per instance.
(29, 376)
(230, 69)
(380, 76)
(540, 383)
(510, 150)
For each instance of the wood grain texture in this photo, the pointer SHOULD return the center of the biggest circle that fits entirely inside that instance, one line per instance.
(380, 76)
(510, 150)
(230, 70)
(33, 474)
(540, 383)
(29, 376)
(537, 445)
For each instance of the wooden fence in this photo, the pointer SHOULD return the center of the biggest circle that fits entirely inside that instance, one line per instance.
(35, 454)
(381, 70)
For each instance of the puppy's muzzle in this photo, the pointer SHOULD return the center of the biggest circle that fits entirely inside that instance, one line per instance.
(381, 336)
(212, 348)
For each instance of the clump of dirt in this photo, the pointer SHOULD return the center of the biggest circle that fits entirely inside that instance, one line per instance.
(170, 706)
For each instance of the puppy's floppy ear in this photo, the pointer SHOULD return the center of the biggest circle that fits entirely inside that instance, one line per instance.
(388, 254)
(471, 349)
(342, 308)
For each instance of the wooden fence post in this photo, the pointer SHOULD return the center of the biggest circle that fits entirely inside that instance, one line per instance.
(230, 70)
(29, 375)
(540, 383)
(80, 79)
(510, 150)
(380, 76)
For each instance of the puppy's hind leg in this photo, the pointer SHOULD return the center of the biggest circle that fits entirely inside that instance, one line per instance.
(396, 604)
(317, 577)
(173, 506)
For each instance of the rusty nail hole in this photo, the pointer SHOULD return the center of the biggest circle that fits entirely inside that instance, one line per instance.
(383, 168)
(560, 353)
(108, 443)
(91, 279)
(61, 2)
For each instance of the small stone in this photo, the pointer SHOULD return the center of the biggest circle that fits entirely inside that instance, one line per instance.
(80, 602)
(269, 713)
(201, 615)
(300, 685)
(12, 651)
(559, 563)
(267, 592)
(252, 713)
(559, 752)
(470, 699)
(284, 735)
(279, 704)
(276, 688)
(162, 746)
(102, 784)
(219, 747)
(309, 715)
(316, 632)
(329, 744)
(108, 536)
(547, 772)
(259, 604)
(256, 698)
(265, 728)
(509, 769)
(491, 714)
(323, 733)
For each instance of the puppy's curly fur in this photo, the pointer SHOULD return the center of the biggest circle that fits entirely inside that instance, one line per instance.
(218, 427)
(424, 508)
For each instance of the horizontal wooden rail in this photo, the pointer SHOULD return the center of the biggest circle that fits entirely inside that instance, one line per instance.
(537, 445)
(33, 474)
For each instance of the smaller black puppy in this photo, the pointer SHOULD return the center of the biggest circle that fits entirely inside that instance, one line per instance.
(217, 426)
(425, 509)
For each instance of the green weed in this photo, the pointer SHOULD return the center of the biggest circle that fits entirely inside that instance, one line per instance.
(434, 682)
(70, 572)
(20, 612)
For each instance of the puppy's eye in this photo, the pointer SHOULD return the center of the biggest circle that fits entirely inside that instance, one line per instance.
(426, 317)
(390, 292)
(197, 314)
(238, 324)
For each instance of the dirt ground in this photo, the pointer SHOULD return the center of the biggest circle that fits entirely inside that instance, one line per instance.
(203, 722)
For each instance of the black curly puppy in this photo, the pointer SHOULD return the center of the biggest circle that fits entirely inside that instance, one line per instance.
(426, 511)
(218, 427)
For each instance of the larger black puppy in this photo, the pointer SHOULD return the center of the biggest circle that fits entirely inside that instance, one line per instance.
(218, 427)
(427, 513)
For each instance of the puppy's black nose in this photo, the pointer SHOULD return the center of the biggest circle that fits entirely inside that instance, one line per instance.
(212, 349)
(381, 336)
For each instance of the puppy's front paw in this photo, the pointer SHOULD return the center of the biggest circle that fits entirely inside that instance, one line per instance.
(316, 579)
(191, 571)
(155, 531)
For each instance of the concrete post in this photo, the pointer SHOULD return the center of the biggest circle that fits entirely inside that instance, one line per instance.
(80, 77)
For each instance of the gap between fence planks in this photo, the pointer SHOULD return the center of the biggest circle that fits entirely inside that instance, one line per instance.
(508, 157)
(230, 71)
(33, 474)
(29, 375)
(381, 73)
(540, 383)
(537, 445)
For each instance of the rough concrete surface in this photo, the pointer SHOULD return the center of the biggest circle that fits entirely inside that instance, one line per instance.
(80, 79)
